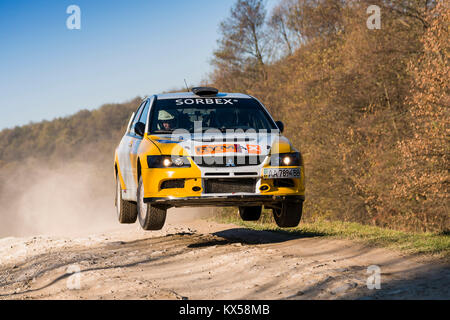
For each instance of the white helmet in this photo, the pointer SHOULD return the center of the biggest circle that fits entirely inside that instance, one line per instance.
(163, 115)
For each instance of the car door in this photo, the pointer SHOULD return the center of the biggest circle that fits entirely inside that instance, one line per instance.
(137, 139)
(125, 151)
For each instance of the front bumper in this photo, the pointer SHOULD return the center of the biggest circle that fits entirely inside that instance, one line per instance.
(224, 200)
(196, 192)
(194, 184)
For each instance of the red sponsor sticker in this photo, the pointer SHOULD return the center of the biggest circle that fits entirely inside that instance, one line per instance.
(224, 148)
(253, 149)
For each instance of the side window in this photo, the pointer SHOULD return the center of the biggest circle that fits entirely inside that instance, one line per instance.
(143, 117)
(138, 115)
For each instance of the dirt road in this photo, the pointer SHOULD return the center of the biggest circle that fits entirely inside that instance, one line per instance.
(206, 260)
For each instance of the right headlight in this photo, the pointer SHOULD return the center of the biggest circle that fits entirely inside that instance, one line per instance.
(286, 159)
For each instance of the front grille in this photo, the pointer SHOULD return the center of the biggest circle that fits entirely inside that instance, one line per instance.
(170, 184)
(228, 161)
(229, 185)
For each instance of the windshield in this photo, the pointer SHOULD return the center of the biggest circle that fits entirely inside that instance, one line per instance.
(219, 113)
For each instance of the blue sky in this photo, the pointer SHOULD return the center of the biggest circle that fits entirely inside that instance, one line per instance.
(125, 48)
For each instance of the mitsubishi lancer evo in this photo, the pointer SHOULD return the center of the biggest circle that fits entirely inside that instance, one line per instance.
(206, 148)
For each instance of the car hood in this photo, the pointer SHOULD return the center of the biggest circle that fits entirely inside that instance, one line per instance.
(235, 144)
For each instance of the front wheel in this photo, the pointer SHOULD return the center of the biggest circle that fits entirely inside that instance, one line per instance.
(150, 217)
(126, 210)
(289, 214)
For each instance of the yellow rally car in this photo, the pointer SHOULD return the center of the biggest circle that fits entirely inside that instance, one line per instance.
(205, 148)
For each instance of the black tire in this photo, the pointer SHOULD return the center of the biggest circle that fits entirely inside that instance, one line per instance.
(126, 210)
(250, 213)
(289, 215)
(150, 217)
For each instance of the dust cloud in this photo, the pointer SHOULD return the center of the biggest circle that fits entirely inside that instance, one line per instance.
(67, 199)
(74, 198)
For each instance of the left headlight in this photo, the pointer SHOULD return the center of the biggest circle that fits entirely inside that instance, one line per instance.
(286, 159)
(168, 162)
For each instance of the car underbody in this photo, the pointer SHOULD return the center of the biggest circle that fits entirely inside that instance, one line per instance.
(225, 200)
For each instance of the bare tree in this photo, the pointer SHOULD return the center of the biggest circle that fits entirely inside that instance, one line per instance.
(242, 41)
(278, 23)
(415, 9)
(310, 19)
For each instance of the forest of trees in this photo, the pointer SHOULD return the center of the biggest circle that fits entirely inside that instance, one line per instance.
(86, 133)
(368, 108)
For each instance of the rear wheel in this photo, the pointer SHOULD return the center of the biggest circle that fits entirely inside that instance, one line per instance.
(289, 214)
(250, 213)
(150, 217)
(126, 210)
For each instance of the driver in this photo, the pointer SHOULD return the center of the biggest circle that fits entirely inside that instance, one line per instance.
(166, 121)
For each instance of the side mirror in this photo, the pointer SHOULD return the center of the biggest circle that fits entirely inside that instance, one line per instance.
(280, 125)
(139, 128)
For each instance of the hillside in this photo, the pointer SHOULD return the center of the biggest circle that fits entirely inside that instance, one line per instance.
(65, 137)
(367, 107)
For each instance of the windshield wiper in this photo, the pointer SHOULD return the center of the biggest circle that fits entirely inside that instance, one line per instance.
(162, 131)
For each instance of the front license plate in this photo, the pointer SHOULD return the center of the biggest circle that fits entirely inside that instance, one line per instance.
(281, 173)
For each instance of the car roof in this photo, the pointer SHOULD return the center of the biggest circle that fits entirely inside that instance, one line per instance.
(187, 95)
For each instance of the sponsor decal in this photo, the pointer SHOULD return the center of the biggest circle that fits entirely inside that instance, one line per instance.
(253, 149)
(224, 101)
(224, 148)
